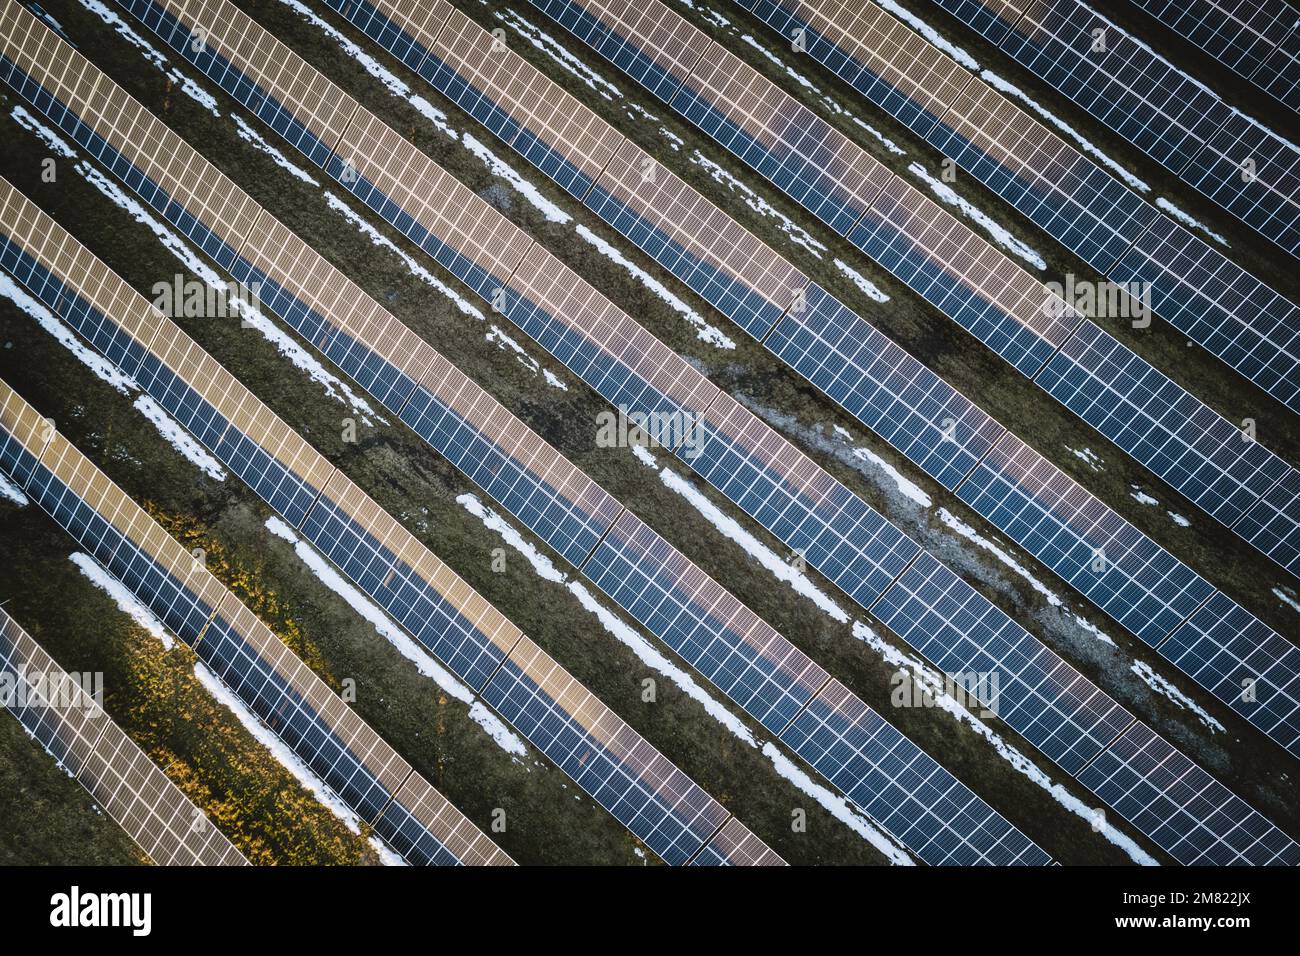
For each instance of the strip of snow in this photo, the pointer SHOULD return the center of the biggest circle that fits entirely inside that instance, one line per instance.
(1187, 219)
(865, 285)
(970, 534)
(794, 74)
(797, 234)
(420, 272)
(908, 488)
(288, 759)
(390, 631)
(250, 135)
(386, 77)
(703, 330)
(53, 140)
(999, 233)
(557, 52)
(153, 55)
(1164, 687)
(1085, 144)
(179, 438)
(930, 33)
(780, 569)
(11, 492)
(1285, 595)
(649, 655)
(102, 367)
(524, 187)
(1178, 519)
(934, 684)
(554, 380)
(126, 602)
(838, 807)
(1095, 631)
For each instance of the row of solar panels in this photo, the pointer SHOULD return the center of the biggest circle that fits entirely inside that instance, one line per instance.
(1234, 160)
(1140, 584)
(603, 754)
(1050, 703)
(1258, 39)
(903, 788)
(1192, 285)
(1232, 477)
(352, 760)
(54, 708)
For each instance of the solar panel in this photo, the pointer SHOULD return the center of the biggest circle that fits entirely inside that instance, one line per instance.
(1042, 697)
(118, 775)
(1149, 416)
(1247, 665)
(1273, 524)
(735, 846)
(1244, 35)
(1185, 810)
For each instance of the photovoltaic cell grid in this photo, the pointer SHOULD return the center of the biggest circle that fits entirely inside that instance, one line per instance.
(440, 610)
(75, 731)
(1025, 852)
(1057, 187)
(1160, 109)
(1255, 38)
(915, 264)
(326, 540)
(295, 703)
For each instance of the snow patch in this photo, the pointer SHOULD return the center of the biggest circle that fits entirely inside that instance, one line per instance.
(11, 492)
(1187, 219)
(1165, 688)
(1285, 595)
(969, 533)
(153, 55)
(499, 167)
(783, 571)
(1095, 631)
(703, 330)
(1178, 519)
(53, 140)
(1141, 497)
(865, 285)
(179, 438)
(1088, 457)
(1000, 234)
(796, 233)
(557, 51)
(383, 242)
(126, 602)
(250, 135)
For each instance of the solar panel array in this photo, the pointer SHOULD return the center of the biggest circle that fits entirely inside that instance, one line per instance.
(1256, 38)
(351, 759)
(1140, 584)
(752, 443)
(642, 789)
(54, 708)
(1162, 110)
(553, 499)
(1219, 305)
(964, 277)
